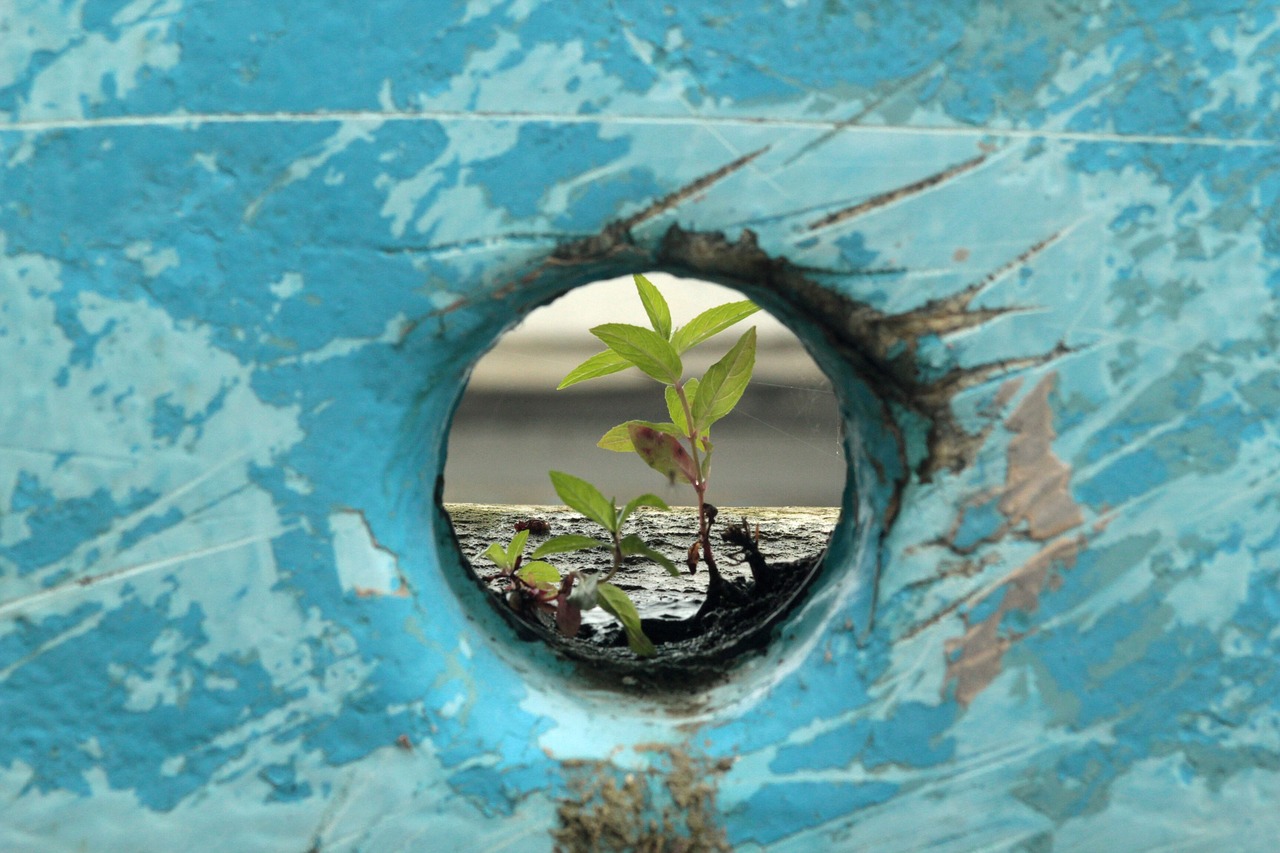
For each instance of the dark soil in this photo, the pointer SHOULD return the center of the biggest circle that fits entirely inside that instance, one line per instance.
(699, 628)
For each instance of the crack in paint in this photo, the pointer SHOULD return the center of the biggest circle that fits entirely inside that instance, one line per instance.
(617, 235)
(898, 194)
(690, 189)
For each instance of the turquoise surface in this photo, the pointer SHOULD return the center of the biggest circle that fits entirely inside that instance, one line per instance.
(249, 251)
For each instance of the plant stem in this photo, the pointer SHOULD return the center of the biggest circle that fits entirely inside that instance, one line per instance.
(617, 555)
(699, 486)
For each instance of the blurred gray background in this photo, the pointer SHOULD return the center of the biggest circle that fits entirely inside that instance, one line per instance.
(780, 447)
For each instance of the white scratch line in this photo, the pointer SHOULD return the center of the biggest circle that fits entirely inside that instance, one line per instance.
(157, 506)
(195, 120)
(91, 581)
(84, 627)
(72, 454)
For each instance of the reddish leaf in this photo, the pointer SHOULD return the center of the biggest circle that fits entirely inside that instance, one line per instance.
(568, 616)
(663, 453)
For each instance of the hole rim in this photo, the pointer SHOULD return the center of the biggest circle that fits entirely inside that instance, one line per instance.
(781, 636)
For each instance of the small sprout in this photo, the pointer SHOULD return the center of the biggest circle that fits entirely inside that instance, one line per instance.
(538, 585)
(534, 584)
(616, 602)
(580, 495)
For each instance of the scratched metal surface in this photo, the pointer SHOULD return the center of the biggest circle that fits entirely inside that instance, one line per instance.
(248, 251)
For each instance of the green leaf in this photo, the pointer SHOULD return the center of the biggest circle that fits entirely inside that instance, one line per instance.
(663, 453)
(655, 306)
(644, 348)
(585, 498)
(498, 555)
(707, 447)
(723, 383)
(516, 548)
(711, 322)
(633, 545)
(644, 500)
(615, 601)
(618, 439)
(675, 409)
(600, 364)
(567, 542)
(538, 572)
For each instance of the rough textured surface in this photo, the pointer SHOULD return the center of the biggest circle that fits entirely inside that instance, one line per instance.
(248, 252)
(786, 534)
(693, 653)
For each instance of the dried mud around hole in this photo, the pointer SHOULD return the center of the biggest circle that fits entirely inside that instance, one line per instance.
(690, 650)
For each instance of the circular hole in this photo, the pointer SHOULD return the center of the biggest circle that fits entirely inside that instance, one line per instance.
(777, 480)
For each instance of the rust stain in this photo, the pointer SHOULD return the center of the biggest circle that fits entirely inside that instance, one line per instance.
(1037, 483)
(1007, 390)
(400, 591)
(974, 658)
(1036, 494)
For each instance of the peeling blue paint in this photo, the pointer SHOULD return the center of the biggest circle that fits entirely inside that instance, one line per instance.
(777, 809)
(247, 254)
(56, 527)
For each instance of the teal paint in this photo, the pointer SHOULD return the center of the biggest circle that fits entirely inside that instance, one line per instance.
(247, 255)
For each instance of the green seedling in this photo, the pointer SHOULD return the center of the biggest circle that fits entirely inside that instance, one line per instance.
(538, 584)
(534, 584)
(681, 448)
(593, 590)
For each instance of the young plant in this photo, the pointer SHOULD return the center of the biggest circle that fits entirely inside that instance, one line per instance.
(592, 590)
(681, 448)
(536, 583)
(539, 584)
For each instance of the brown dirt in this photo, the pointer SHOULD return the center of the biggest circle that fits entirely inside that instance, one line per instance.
(668, 808)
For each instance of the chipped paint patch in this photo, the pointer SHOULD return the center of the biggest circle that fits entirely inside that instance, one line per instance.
(213, 664)
(364, 566)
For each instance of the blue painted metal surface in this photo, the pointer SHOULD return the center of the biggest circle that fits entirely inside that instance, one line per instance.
(248, 251)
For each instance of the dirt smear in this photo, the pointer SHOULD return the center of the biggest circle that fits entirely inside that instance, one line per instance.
(669, 807)
(1037, 483)
(1037, 504)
